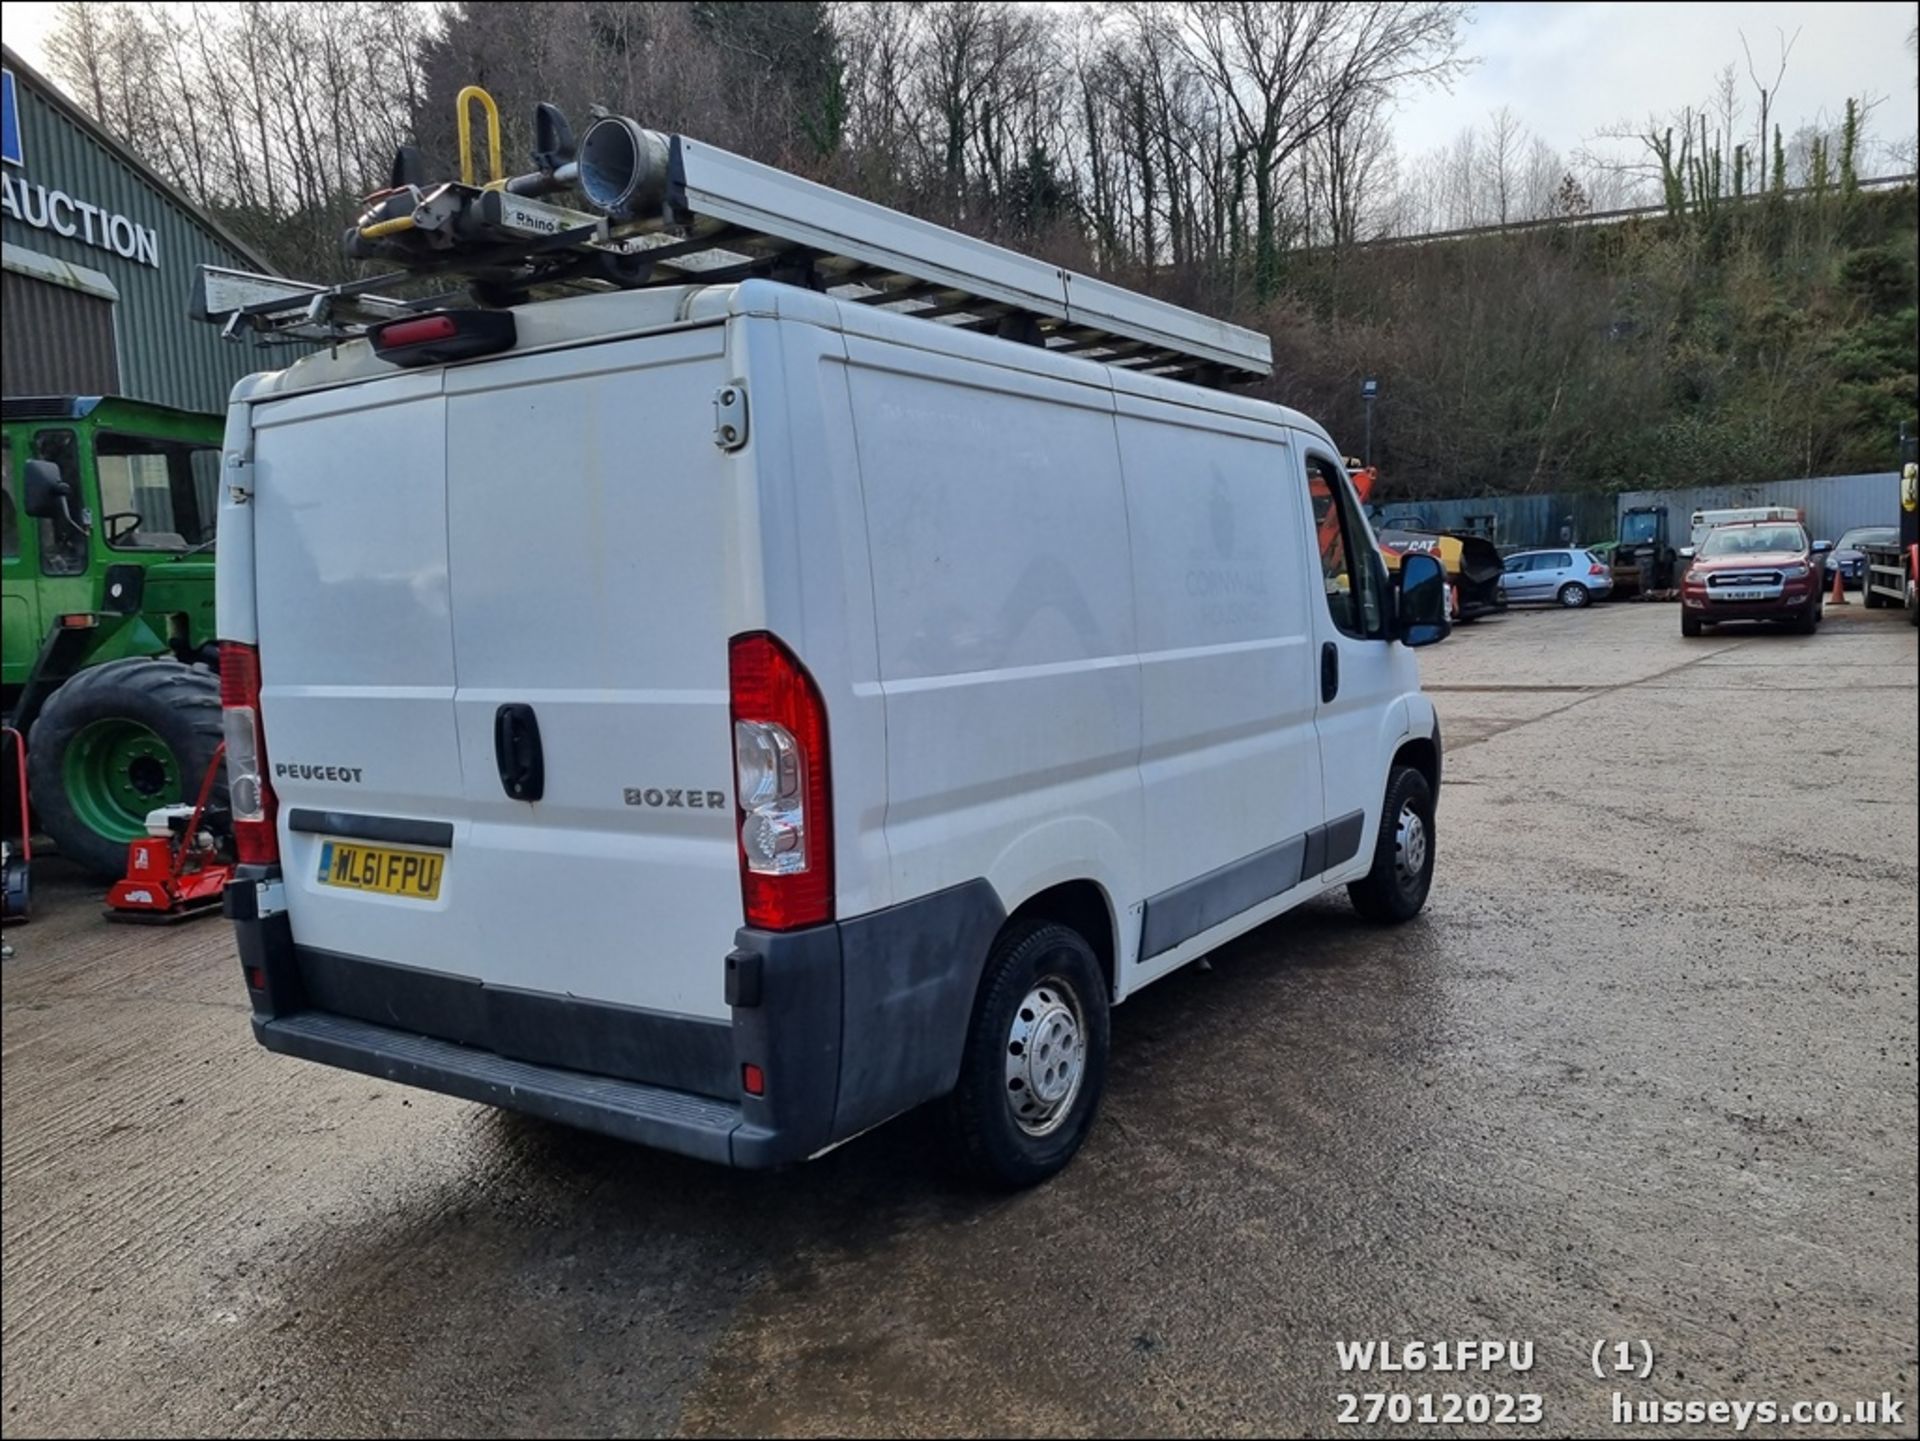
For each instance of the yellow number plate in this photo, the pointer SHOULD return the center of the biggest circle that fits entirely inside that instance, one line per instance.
(388, 872)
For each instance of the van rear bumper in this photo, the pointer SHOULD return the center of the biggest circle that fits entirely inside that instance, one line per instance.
(849, 1023)
(652, 1115)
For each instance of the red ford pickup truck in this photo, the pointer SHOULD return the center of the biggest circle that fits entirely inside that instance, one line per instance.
(1753, 570)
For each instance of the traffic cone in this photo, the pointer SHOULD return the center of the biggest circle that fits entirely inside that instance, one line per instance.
(1839, 596)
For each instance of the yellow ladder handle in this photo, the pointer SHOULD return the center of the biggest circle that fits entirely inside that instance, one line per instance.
(463, 112)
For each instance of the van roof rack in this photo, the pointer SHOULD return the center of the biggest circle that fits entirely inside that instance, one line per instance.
(674, 211)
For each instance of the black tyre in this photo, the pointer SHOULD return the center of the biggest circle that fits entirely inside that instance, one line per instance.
(1396, 888)
(1036, 1059)
(1689, 624)
(1574, 596)
(115, 742)
(1808, 620)
(1867, 597)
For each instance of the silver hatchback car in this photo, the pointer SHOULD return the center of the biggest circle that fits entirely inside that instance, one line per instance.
(1570, 577)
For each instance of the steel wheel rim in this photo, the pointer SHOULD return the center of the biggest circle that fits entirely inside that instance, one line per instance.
(115, 771)
(1046, 1061)
(1410, 846)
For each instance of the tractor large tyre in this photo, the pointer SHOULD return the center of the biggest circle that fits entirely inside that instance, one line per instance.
(117, 741)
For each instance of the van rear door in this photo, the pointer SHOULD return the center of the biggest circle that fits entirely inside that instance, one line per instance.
(590, 516)
(355, 623)
(551, 532)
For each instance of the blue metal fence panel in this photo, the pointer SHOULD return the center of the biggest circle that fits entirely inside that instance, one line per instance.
(1833, 504)
(1517, 522)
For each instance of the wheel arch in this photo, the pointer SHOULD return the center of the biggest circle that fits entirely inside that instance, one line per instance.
(1423, 754)
(1082, 905)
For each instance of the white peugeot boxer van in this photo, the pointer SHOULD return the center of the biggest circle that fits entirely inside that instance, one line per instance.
(729, 715)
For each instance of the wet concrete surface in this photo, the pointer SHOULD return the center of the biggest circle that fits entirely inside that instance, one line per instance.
(1644, 1070)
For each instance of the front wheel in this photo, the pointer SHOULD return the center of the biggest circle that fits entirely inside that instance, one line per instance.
(1809, 621)
(1036, 1059)
(1689, 624)
(1574, 595)
(1396, 888)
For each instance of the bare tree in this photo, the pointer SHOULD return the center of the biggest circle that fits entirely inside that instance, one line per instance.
(1500, 164)
(1283, 69)
(1769, 92)
(1353, 165)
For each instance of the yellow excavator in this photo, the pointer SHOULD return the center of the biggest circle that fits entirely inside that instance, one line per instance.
(1472, 563)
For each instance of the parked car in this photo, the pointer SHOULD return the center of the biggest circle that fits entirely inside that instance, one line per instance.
(1572, 577)
(1754, 570)
(1849, 559)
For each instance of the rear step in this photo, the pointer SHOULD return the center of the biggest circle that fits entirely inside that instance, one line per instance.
(651, 1115)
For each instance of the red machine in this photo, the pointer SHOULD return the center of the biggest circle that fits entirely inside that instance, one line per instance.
(182, 874)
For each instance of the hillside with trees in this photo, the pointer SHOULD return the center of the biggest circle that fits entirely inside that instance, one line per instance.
(1235, 157)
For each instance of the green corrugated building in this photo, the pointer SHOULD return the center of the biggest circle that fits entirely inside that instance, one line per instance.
(100, 254)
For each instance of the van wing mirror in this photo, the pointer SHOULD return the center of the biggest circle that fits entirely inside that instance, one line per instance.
(45, 492)
(1420, 609)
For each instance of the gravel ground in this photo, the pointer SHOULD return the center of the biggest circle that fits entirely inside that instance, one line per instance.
(1645, 1070)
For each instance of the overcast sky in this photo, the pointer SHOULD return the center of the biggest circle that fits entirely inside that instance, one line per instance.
(1569, 70)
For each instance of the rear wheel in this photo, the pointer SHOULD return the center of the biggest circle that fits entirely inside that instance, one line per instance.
(1573, 595)
(1867, 597)
(1396, 888)
(1036, 1059)
(1689, 624)
(115, 742)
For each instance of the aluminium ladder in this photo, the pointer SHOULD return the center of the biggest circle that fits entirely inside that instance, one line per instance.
(721, 217)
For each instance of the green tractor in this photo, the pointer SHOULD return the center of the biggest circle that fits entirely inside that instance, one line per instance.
(106, 566)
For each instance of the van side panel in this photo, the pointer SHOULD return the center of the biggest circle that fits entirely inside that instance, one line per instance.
(1230, 762)
(233, 572)
(998, 531)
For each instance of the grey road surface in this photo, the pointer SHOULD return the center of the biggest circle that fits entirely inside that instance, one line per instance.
(1645, 1071)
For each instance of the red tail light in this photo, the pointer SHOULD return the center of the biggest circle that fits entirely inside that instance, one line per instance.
(781, 795)
(1596, 569)
(249, 792)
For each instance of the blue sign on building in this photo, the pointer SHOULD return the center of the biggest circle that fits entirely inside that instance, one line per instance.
(9, 121)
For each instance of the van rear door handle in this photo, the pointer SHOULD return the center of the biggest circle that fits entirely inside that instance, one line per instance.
(1329, 671)
(516, 746)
